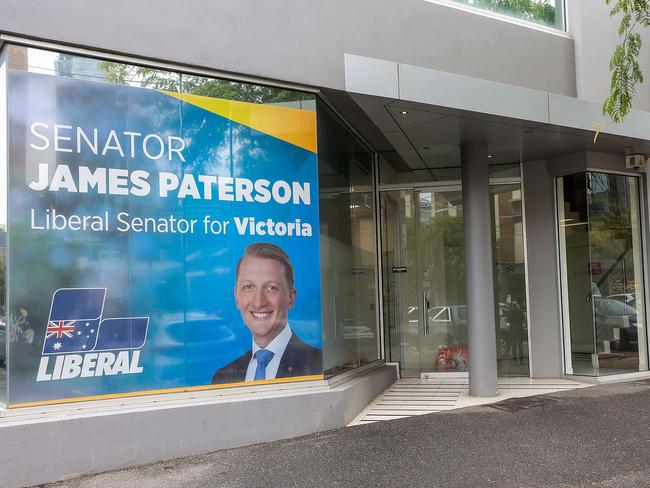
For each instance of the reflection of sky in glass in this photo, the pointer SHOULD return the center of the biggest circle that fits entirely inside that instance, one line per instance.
(90, 69)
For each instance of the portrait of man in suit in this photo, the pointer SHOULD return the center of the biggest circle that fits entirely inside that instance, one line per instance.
(264, 294)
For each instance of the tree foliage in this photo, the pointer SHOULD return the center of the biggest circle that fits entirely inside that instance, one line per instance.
(624, 64)
(538, 11)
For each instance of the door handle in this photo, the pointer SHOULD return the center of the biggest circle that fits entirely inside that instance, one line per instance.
(425, 307)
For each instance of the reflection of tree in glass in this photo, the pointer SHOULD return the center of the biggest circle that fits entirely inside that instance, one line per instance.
(243, 92)
(123, 74)
(130, 75)
(538, 11)
(446, 258)
(19, 328)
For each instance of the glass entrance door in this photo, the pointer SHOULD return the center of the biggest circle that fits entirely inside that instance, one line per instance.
(424, 279)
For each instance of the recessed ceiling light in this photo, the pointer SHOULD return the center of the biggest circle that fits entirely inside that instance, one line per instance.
(489, 156)
(404, 112)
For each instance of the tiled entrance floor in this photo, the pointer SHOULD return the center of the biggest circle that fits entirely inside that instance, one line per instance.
(411, 396)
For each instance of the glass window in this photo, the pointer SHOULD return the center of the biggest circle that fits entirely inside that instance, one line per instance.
(113, 163)
(348, 247)
(602, 273)
(510, 273)
(174, 281)
(544, 12)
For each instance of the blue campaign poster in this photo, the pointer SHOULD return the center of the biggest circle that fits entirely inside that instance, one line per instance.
(130, 211)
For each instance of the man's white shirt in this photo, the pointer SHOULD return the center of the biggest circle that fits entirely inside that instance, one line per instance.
(277, 347)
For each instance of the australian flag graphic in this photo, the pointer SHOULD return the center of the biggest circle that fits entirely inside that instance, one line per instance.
(75, 324)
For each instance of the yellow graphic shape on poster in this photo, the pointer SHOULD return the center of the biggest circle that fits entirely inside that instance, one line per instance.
(295, 126)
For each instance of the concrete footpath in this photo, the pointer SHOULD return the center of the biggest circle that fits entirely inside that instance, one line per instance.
(590, 437)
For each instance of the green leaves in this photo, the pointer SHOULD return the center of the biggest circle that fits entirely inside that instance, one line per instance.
(624, 64)
(131, 75)
(538, 11)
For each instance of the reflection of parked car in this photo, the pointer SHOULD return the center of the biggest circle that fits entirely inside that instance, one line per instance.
(595, 291)
(448, 325)
(627, 298)
(3, 343)
(449, 322)
(445, 346)
(611, 314)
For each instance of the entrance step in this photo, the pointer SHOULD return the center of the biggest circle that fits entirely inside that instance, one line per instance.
(413, 396)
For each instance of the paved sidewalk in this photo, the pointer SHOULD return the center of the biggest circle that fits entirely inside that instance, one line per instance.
(595, 437)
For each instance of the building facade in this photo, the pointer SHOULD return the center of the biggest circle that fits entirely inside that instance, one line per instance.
(428, 170)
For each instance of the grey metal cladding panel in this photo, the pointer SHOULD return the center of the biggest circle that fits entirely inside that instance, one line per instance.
(543, 300)
(284, 39)
(371, 76)
(303, 42)
(581, 114)
(465, 93)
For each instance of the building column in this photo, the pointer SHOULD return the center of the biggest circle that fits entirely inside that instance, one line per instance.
(479, 279)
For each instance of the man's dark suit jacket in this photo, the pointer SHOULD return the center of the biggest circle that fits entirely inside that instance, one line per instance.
(299, 359)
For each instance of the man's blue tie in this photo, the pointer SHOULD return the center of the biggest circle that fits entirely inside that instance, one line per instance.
(263, 358)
